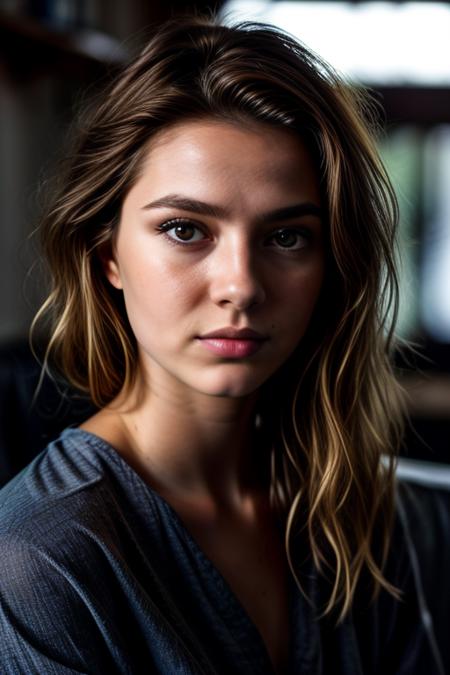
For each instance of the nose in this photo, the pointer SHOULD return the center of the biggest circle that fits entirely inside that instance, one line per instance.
(235, 279)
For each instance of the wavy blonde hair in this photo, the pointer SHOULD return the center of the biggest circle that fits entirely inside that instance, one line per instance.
(332, 411)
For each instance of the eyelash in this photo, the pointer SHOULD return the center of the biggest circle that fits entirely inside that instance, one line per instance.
(164, 228)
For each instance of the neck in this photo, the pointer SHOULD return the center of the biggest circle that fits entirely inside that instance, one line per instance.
(194, 445)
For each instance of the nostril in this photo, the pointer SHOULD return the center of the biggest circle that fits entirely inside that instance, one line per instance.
(240, 295)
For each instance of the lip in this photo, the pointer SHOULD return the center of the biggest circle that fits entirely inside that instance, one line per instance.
(234, 334)
(232, 348)
(233, 343)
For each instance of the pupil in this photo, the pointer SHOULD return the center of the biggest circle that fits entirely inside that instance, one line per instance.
(184, 232)
(286, 238)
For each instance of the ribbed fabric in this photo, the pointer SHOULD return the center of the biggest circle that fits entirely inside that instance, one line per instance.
(98, 575)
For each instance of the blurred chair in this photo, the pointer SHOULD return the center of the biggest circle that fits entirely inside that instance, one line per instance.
(28, 425)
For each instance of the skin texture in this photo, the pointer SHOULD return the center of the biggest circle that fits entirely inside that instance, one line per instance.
(191, 406)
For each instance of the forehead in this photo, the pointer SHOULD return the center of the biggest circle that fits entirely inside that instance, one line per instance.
(232, 160)
(215, 140)
(214, 126)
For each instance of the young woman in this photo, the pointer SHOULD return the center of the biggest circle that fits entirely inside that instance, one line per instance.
(221, 252)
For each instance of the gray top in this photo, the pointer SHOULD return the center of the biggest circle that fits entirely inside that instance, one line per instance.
(99, 575)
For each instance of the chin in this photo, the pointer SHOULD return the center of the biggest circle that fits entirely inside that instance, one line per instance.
(232, 387)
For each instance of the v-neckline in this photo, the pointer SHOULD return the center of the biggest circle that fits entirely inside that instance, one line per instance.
(227, 596)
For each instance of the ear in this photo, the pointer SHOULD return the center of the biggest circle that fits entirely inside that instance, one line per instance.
(109, 264)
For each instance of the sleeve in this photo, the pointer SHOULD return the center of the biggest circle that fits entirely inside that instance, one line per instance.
(46, 622)
(406, 649)
(396, 634)
(420, 511)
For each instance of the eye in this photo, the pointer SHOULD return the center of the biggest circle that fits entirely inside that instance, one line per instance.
(182, 231)
(291, 239)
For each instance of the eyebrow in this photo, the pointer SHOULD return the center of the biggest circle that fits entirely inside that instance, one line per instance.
(215, 211)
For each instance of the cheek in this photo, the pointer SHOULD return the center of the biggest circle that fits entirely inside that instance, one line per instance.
(157, 292)
(299, 292)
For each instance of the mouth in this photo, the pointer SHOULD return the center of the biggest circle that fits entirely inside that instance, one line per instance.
(230, 333)
(232, 348)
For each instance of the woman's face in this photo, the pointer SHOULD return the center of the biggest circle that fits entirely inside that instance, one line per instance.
(220, 233)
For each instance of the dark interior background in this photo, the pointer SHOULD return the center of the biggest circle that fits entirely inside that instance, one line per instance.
(53, 55)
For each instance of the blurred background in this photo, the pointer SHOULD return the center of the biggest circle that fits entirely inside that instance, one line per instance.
(55, 53)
